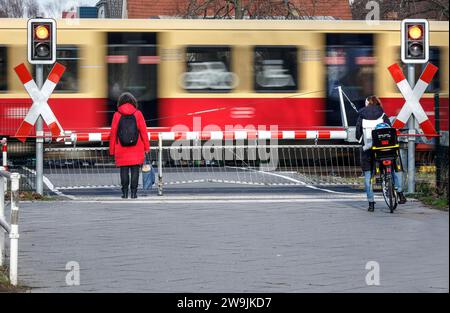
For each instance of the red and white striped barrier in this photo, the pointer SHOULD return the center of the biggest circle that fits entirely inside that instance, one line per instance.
(39, 97)
(220, 135)
(412, 96)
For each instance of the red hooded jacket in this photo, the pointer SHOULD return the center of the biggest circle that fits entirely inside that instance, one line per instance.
(133, 155)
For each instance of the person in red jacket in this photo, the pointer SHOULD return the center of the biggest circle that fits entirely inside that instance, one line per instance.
(129, 158)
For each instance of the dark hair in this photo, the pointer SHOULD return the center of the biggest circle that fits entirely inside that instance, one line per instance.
(127, 97)
(374, 100)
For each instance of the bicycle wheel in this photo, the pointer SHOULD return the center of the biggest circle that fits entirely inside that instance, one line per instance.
(388, 191)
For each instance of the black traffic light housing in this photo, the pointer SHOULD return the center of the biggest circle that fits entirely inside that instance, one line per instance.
(415, 41)
(41, 41)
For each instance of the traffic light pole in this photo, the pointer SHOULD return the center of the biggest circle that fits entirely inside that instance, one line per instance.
(39, 137)
(411, 139)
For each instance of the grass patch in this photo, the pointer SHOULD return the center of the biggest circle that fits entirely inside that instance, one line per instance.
(436, 203)
(5, 286)
(427, 193)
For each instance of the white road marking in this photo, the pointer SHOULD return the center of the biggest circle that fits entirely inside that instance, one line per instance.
(294, 180)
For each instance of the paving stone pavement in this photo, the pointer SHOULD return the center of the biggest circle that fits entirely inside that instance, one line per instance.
(222, 246)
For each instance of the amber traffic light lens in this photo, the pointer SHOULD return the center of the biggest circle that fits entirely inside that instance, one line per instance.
(42, 32)
(415, 32)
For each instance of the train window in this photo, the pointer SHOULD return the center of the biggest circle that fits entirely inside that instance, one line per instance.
(275, 69)
(132, 63)
(67, 56)
(435, 84)
(350, 63)
(208, 69)
(3, 71)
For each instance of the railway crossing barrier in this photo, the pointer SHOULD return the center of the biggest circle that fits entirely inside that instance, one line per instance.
(203, 158)
(11, 228)
(184, 169)
(76, 168)
(203, 164)
(317, 135)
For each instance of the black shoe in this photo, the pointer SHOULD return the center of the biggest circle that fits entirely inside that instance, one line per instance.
(371, 207)
(133, 194)
(401, 198)
(124, 193)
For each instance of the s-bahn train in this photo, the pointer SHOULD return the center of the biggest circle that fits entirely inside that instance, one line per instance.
(188, 74)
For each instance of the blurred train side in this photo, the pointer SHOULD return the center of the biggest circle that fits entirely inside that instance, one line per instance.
(150, 59)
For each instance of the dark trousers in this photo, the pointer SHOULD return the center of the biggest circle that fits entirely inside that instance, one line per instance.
(125, 176)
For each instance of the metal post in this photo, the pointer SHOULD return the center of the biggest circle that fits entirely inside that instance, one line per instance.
(411, 139)
(404, 158)
(14, 234)
(160, 167)
(343, 111)
(2, 217)
(40, 137)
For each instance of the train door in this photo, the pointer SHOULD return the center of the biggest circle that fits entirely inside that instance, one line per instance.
(350, 63)
(132, 66)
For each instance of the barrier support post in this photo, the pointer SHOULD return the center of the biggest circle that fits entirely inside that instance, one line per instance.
(14, 234)
(343, 111)
(160, 166)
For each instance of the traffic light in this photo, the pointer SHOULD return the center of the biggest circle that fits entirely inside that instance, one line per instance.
(415, 41)
(41, 41)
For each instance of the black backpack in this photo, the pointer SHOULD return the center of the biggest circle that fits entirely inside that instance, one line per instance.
(127, 132)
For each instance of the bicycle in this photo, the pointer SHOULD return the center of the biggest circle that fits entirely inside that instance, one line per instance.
(387, 161)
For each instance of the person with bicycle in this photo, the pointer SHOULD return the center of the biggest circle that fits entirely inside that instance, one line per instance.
(373, 111)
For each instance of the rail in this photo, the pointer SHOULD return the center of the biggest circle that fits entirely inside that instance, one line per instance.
(11, 228)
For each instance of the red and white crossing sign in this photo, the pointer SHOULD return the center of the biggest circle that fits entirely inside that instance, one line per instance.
(39, 96)
(412, 97)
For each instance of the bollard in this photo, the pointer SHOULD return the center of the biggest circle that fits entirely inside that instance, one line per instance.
(160, 152)
(2, 217)
(5, 159)
(5, 153)
(14, 233)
